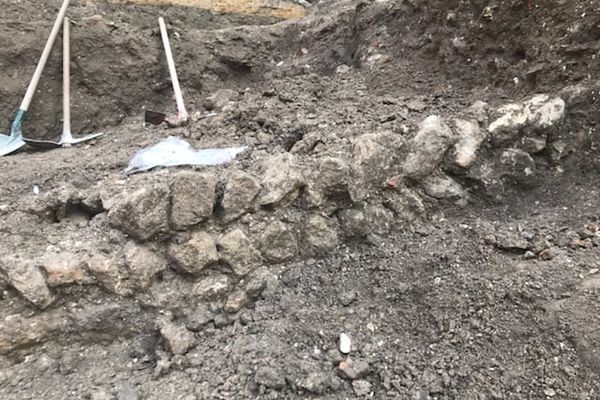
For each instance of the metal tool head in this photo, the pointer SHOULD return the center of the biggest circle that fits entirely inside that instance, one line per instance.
(154, 117)
(14, 141)
(66, 140)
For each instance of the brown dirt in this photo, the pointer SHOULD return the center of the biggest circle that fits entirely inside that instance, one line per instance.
(441, 307)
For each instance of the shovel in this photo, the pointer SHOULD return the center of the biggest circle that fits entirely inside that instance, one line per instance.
(156, 117)
(14, 141)
(66, 139)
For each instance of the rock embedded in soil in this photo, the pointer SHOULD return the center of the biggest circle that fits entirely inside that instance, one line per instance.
(236, 249)
(212, 287)
(239, 195)
(282, 179)
(354, 222)
(142, 214)
(177, 338)
(330, 180)
(28, 280)
(440, 186)
(193, 255)
(278, 242)
(106, 270)
(506, 128)
(143, 263)
(17, 331)
(470, 139)
(373, 157)
(353, 369)
(427, 148)
(219, 99)
(63, 269)
(320, 234)
(192, 198)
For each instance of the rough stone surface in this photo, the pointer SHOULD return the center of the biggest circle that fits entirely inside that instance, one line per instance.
(192, 198)
(236, 249)
(143, 263)
(330, 180)
(143, 213)
(278, 242)
(353, 369)
(470, 138)
(212, 287)
(406, 204)
(105, 269)
(506, 128)
(378, 218)
(177, 338)
(63, 269)
(354, 223)
(219, 99)
(544, 112)
(192, 256)
(282, 178)
(27, 280)
(240, 194)
(320, 234)
(17, 331)
(427, 148)
(373, 157)
(532, 145)
(440, 186)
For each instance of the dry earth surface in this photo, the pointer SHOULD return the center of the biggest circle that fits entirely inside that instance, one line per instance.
(421, 176)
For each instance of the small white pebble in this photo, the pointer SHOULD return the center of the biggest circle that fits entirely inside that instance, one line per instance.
(345, 343)
(36, 190)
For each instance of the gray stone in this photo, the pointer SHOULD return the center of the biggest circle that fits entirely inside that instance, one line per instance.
(128, 392)
(509, 238)
(532, 145)
(470, 138)
(427, 148)
(282, 179)
(440, 186)
(269, 377)
(27, 280)
(361, 388)
(373, 157)
(353, 369)
(321, 236)
(177, 338)
(331, 179)
(506, 128)
(378, 218)
(278, 242)
(236, 249)
(239, 196)
(406, 204)
(101, 395)
(315, 382)
(17, 331)
(143, 263)
(212, 287)
(544, 112)
(106, 270)
(354, 223)
(192, 198)
(194, 255)
(236, 301)
(247, 292)
(199, 317)
(219, 99)
(143, 213)
(479, 111)
(63, 268)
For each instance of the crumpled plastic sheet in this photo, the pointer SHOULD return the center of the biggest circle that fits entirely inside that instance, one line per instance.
(174, 152)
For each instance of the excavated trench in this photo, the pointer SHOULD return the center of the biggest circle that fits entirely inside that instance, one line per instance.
(418, 176)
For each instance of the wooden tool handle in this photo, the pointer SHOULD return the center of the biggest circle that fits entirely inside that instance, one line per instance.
(181, 111)
(45, 54)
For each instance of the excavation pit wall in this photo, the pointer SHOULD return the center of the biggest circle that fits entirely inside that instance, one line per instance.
(199, 246)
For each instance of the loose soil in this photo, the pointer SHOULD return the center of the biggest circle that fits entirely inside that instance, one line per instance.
(439, 308)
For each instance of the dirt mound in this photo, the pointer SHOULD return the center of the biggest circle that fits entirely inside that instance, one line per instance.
(420, 176)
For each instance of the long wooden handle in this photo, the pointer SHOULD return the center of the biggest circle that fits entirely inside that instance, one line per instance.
(66, 78)
(181, 111)
(45, 54)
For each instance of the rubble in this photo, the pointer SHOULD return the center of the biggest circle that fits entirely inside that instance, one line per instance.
(192, 198)
(353, 369)
(282, 179)
(177, 338)
(239, 195)
(63, 268)
(320, 234)
(193, 255)
(143, 263)
(212, 287)
(278, 242)
(27, 280)
(236, 249)
(142, 214)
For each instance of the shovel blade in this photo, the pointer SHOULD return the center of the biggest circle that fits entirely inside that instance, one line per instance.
(154, 117)
(10, 144)
(42, 144)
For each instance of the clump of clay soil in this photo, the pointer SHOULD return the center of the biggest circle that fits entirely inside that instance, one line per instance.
(415, 215)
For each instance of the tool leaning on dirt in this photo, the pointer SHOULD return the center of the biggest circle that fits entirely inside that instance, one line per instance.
(14, 141)
(156, 117)
(66, 139)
